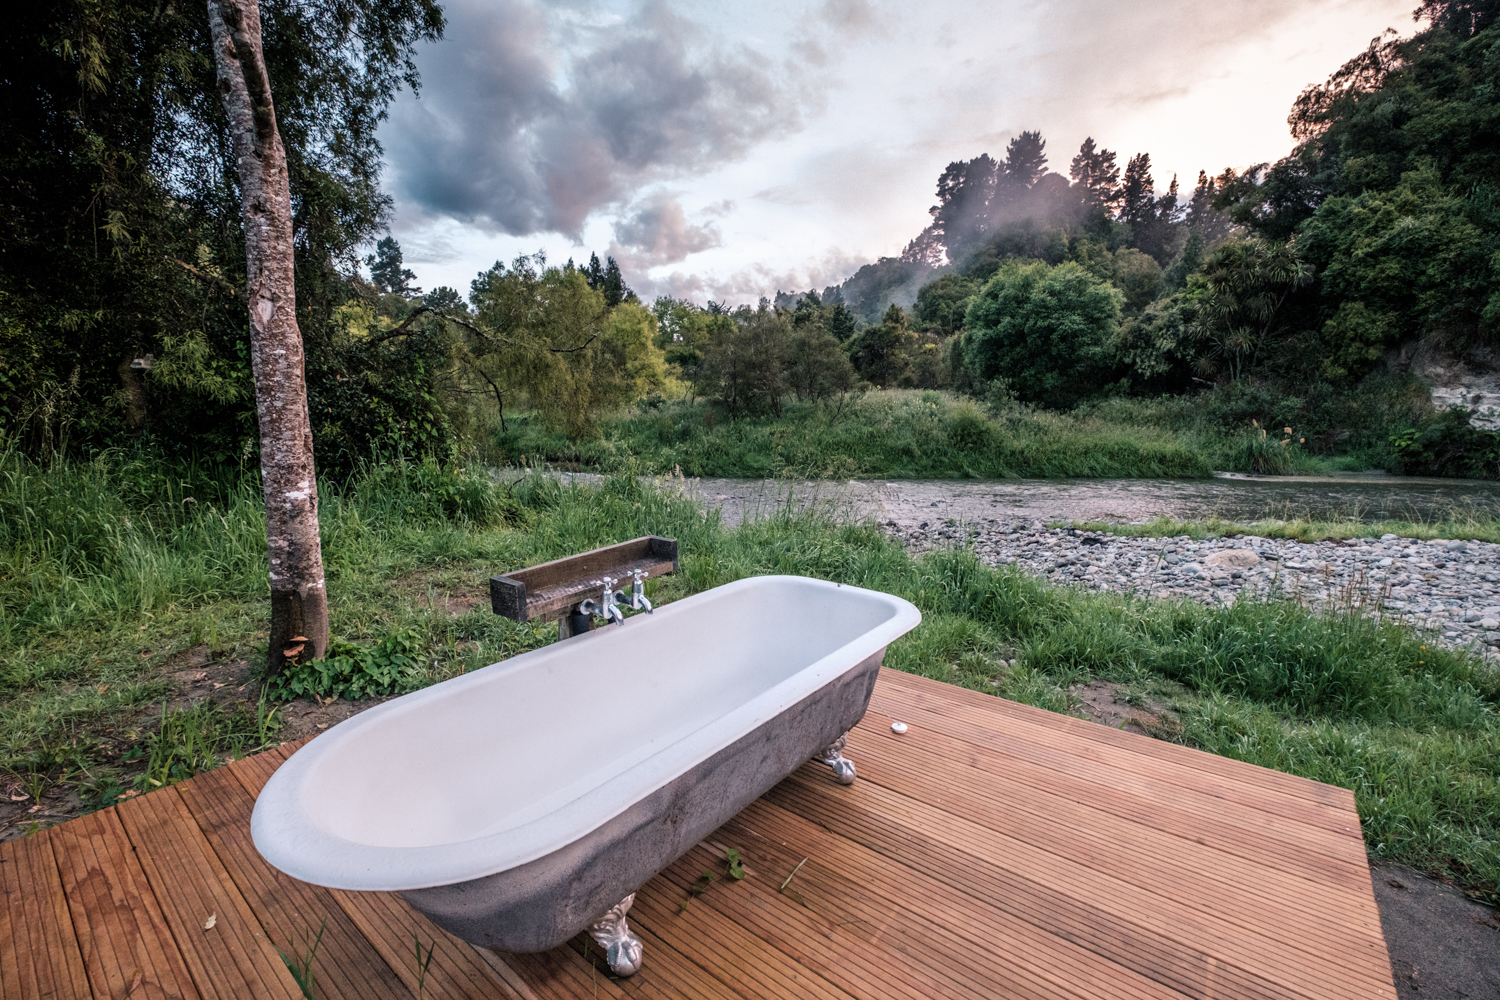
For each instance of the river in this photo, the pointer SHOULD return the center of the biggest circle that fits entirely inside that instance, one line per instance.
(1359, 497)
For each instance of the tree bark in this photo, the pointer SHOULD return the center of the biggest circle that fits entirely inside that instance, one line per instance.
(299, 599)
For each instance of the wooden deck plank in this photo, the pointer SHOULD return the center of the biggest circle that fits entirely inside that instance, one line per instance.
(1114, 841)
(347, 965)
(1328, 830)
(994, 850)
(231, 959)
(390, 924)
(1192, 770)
(887, 821)
(39, 951)
(1249, 834)
(951, 698)
(127, 947)
(911, 904)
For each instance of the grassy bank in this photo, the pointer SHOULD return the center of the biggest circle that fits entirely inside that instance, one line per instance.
(1479, 527)
(109, 572)
(911, 434)
(896, 434)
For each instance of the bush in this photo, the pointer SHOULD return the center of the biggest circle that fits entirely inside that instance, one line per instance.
(391, 666)
(1449, 446)
(1047, 329)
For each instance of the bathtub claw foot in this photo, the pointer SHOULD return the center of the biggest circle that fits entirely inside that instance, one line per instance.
(833, 756)
(622, 949)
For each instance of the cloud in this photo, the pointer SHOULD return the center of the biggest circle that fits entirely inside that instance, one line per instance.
(657, 232)
(746, 285)
(528, 124)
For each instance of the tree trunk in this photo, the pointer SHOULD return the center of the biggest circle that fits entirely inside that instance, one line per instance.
(299, 600)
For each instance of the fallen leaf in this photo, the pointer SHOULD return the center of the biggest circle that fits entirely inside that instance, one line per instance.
(208, 924)
(218, 685)
(20, 798)
(322, 725)
(103, 688)
(135, 983)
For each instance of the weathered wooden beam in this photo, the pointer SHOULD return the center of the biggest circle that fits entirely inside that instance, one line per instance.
(549, 590)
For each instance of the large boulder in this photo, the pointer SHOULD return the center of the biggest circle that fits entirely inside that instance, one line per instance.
(1232, 558)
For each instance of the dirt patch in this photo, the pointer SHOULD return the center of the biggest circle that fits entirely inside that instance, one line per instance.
(441, 590)
(308, 718)
(1443, 945)
(1109, 704)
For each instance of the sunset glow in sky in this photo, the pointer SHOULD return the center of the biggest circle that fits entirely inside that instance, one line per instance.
(729, 150)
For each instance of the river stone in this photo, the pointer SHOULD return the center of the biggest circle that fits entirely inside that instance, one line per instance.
(1238, 558)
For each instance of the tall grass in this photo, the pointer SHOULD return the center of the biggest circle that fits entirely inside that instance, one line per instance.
(1342, 698)
(896, 434)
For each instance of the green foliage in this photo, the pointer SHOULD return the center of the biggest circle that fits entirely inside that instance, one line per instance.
(882, 354)
(122, 232)
(391, 666)
(1414, 258)
(1448, 446)
(192, 740)
(942, 303)
(300, 965)
(925, 435)
(1266, 454)
(817, 367)
(544, 333)
(1047, 329)
(744, 369)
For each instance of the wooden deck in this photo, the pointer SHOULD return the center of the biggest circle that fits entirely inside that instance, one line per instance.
(993, 851)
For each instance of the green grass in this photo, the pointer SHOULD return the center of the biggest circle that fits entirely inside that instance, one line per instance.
(911, 434)
(98, 570)
(897, 434)
(1476, 527)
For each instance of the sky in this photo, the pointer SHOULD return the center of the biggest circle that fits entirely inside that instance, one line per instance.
(729, 150)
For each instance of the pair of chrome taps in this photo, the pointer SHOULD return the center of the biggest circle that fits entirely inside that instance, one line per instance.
(608, 605)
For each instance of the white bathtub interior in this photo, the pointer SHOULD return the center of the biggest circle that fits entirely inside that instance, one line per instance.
(493, 751)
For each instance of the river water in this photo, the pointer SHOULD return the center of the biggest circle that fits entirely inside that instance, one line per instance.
(1361, 497)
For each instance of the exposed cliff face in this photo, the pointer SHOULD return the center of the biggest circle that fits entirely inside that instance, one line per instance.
(1471, 380)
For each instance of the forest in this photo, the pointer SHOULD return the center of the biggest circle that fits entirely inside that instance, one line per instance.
(1315, 293)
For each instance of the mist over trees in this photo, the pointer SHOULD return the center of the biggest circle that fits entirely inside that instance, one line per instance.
(1054, 277)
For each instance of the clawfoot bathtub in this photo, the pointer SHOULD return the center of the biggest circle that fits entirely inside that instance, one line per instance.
(526, 802)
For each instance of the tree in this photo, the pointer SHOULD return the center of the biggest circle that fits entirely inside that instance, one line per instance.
(386, 272)
(964, 191)
(1026, 159)
(289, 482)
(1096, 176)
(120, 219)
(882, 353)
(1138, 191)
(818, 367)
(1247, 282)
(542, 332)
(1048, 330)
(744, 368)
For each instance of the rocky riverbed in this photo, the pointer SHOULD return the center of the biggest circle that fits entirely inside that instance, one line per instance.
(1448, 587)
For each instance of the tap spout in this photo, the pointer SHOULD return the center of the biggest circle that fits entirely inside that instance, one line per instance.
(638, 592)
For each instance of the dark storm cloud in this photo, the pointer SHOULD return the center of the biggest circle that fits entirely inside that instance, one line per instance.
(518, 132)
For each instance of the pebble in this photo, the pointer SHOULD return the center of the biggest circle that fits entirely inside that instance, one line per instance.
(1448, 588)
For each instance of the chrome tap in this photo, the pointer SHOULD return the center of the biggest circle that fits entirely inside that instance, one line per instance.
(607, 607)
(638, 592)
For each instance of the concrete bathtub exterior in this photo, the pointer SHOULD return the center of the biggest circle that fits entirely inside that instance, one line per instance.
(517, 804)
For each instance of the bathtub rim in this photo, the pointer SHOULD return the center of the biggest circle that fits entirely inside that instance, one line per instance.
(287, 838)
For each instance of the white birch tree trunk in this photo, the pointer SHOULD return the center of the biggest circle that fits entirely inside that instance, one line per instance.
(299, 599)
